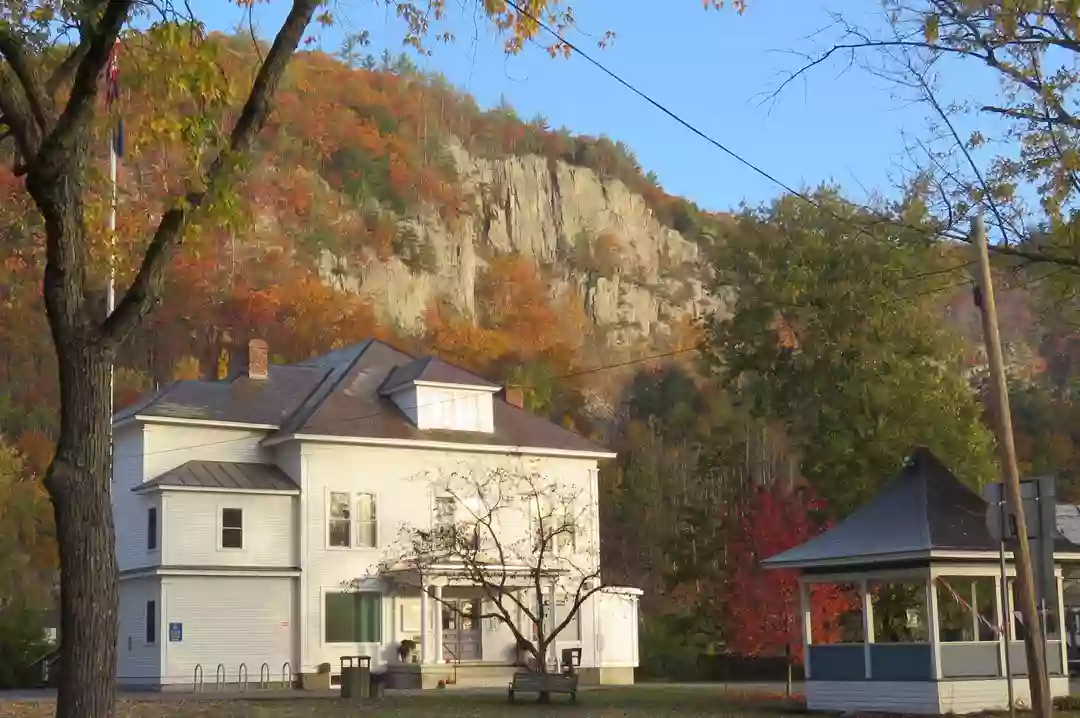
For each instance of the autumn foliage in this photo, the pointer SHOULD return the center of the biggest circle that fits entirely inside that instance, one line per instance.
(762, 612)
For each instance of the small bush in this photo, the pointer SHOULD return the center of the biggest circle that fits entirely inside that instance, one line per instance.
(22, 641)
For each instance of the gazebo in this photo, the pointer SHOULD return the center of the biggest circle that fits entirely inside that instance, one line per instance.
(921, 575)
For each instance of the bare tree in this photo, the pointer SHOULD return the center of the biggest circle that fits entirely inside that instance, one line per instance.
(524, 540)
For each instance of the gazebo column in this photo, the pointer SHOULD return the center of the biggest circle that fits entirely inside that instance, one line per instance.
(867, 627)
(807, 624)
(933, 628)
(1002, 625)
(1061, 623)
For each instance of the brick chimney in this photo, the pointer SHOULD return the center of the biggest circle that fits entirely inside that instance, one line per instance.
(258, 359)
(514, 395)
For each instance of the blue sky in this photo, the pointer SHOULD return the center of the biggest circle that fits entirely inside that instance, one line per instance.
(712, 68)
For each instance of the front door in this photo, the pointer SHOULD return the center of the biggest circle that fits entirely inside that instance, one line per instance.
(461, 629)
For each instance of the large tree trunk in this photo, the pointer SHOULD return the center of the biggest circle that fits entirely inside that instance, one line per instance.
(79, 483)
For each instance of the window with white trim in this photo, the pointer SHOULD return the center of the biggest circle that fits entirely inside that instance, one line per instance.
(151, 529)
(340, 522)
(232, 528)
(350, 617)
(151, 622)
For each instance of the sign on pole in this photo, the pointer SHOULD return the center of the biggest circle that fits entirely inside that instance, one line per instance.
(1040, 512)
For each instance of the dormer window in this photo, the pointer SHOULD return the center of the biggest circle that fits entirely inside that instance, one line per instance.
(439, 397)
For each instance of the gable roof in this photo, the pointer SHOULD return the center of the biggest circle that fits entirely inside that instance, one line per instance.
(432, 370)
(224, 475)
(342, 394)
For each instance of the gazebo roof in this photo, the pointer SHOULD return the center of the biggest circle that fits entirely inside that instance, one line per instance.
(922, 510)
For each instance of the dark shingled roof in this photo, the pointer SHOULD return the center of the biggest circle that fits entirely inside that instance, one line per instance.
(924, 508)
(342, 394)
(434, 370)
(224, 475)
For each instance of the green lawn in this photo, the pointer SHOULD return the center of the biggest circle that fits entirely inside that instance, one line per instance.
(640, 702)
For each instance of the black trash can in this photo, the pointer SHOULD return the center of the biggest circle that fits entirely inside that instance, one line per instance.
(355, 677)
(378, 685)
(571, 661)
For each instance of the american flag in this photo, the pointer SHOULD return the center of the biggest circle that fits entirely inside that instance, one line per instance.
(112, 97)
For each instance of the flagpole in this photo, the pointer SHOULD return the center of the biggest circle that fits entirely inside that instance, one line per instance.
(110, 289)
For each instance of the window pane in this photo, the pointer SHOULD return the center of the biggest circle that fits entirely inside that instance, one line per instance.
(151, 528)
(445, 508)
(339, 506)
(366, 534)
(955, 608)
(339, 533)
(340, 526)
(339, 617)
(151, 622)
(365, 507)
(232, 538)
(232, 518)
(836, 613)
(354, 617)
(900, 614)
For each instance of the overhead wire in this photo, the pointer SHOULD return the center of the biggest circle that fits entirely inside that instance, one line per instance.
(860, 227)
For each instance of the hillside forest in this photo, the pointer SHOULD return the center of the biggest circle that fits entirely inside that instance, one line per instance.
(760, 372)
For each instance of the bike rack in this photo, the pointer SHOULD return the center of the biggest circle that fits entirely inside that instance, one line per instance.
(286, 670)
(242, 676)
(197, 681)
(264, 675)
(219, 676)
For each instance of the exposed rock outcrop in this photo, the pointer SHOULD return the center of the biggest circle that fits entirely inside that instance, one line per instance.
(638, 277)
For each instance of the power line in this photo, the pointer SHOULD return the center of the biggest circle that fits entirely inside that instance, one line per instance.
(708, 138)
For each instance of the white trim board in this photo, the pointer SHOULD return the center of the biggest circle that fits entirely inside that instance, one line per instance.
(438, 445)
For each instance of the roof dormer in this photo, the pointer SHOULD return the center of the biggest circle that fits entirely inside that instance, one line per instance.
(438, 396)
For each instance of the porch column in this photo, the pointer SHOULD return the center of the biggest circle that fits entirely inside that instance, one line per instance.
(932, 628)
(1061, 623)
(425, 619)
(807, 628)
(867, 627)
(437, 595)
(552, 649)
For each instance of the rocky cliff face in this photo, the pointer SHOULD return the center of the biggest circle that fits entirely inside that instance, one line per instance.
(638, 278)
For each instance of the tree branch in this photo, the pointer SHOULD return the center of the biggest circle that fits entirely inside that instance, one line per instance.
(40, 103)
(145, 289)
(80, 106)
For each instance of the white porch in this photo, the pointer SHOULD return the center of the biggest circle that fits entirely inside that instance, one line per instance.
(459, 642)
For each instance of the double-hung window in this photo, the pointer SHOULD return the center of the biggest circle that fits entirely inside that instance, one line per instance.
(347, 529)
(232, 528)
(354, 617)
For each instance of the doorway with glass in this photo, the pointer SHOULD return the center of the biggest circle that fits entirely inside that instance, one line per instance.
(461, 629)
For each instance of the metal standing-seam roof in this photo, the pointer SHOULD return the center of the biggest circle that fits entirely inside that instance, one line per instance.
(224, 475)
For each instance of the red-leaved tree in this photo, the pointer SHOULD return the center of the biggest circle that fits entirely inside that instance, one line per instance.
(762, 613)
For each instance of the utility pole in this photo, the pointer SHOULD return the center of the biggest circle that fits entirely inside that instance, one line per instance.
(1035, 642)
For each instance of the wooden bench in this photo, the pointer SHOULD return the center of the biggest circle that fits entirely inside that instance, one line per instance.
(529, 682)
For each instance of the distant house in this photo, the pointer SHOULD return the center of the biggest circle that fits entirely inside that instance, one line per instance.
(243, 506)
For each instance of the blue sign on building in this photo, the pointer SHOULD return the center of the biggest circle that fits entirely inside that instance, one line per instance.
(176, 632)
